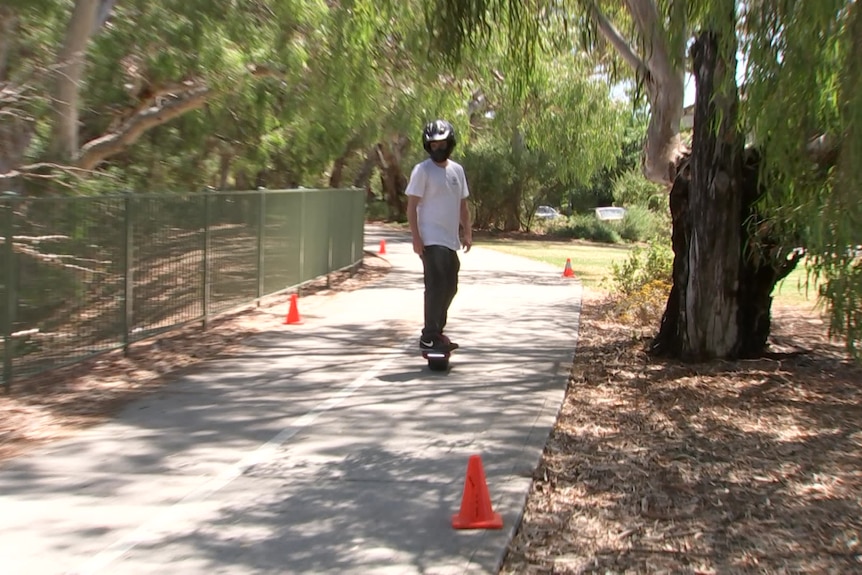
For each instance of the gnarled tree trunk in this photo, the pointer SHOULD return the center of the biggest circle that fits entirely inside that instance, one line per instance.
(719, 306)
(392, 178)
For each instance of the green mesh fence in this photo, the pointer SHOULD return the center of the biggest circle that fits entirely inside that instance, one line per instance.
(84, 275)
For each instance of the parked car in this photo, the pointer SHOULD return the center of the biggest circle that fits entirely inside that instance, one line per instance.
(547, 212)
(610, 213)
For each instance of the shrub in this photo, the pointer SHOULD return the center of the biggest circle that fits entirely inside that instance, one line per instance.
(376, 211)
(631, 188)
(588, 227)
(640, 284)
(646, 305)
(642, 225)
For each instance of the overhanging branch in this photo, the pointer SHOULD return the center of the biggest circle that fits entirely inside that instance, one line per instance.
(656, 53)
(96, 151)
(612, 35)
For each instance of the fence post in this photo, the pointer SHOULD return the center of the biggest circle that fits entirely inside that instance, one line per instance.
(261, 223)
(329, 229)
(302, 219)
(360, 233)
(11, 291)
(353, 265)
(128, 273)
(207, 263)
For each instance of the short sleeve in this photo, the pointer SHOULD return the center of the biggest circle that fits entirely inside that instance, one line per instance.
(416, 185)
(465, 191)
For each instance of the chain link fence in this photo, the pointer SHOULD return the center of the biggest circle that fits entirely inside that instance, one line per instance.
(84, 275)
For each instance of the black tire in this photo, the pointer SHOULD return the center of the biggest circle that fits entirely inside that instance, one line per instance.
(438, 364)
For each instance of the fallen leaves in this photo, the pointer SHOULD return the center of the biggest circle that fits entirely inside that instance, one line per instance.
(657, 467)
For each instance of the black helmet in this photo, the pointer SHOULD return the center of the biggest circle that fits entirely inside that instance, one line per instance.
(439, 131)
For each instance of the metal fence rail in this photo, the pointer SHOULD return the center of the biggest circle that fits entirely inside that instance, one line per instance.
(84, 275)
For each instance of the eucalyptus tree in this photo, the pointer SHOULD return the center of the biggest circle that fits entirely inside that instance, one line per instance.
(738, 211)
(404, 90)
(261, 87)
(541, 140)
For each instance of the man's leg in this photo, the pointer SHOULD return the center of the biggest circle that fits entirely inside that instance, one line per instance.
(453, 266)
(441, 267)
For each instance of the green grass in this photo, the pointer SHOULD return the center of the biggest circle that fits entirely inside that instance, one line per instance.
(592, 263)
(792, 291)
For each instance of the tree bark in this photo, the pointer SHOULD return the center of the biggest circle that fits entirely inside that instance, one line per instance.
(363, 176)
(724, 269)
(68, 76)
(392, 177)
(8, 22)
(714, 244)
(663, 80)
(336, 177)
(665, 85)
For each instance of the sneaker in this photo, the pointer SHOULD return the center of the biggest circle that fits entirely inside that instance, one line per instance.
(448, 343)
(440, 343)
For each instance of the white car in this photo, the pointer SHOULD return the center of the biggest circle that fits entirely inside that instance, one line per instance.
(547, 212)
(610, 213)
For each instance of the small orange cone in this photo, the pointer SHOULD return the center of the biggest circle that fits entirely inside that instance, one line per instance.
(476, 511)
(568, 272)
(293, 313)
(382, 251)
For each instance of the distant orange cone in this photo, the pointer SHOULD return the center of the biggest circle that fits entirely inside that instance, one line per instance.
(568, 272)
(476, 511)
(293, 313)
(382, 251)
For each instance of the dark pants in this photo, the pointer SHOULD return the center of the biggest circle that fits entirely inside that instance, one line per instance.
(441, 284)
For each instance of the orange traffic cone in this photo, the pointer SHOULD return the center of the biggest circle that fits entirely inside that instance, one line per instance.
(476, 511)
(382, 251)
(293, 313)
(568, 272)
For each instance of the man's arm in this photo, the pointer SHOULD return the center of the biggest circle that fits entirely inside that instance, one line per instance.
(466, 226)
(412, 219)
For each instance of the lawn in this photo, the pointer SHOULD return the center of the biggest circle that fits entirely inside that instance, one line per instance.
(592, 261)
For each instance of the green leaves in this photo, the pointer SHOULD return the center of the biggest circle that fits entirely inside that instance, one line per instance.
(802, 101)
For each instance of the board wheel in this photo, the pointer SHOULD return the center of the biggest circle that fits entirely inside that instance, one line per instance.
(438, 364)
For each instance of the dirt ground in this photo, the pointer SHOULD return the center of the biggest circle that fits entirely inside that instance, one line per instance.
(653, 467)
(724, 467)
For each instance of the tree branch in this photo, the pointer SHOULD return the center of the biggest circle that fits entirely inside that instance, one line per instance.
(96, 151)
(665, 87)
(612, 35)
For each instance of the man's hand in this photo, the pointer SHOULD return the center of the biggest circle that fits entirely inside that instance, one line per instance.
(467, 241)
(418, 246)
(413, 220)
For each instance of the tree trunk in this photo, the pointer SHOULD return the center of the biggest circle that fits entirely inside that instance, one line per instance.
(719, 306)
(68, 77)
(8, 22)
(702, 318)
(392, 178)
(664, 80)
(363, 176)
(711, 302)
(336, 177)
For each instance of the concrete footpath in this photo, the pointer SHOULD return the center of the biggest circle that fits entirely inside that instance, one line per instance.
(328, 447)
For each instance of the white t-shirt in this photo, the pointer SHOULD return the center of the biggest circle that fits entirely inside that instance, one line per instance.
(441, 190)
